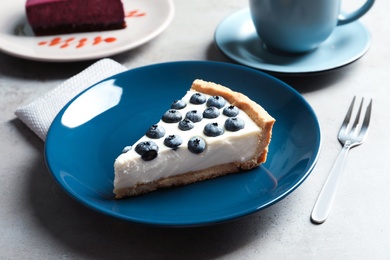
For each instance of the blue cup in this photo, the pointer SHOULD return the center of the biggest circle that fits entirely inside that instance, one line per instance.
(298, 26)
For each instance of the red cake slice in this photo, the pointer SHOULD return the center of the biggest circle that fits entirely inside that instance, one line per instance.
(48, 17)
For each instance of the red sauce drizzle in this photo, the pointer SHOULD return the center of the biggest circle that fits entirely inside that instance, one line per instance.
(110, 39)
(72, 41)
(97, 40)
(134, 13)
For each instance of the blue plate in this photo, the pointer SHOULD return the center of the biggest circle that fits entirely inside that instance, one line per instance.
(236, 37)
(91, 131)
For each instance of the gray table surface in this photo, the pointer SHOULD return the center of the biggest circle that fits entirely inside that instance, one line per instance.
(39, 221)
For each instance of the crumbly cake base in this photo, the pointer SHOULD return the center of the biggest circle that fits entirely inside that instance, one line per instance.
(71, 28)
(178, 180)
(251, 108)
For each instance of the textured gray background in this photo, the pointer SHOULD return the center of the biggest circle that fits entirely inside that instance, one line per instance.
(39, 221)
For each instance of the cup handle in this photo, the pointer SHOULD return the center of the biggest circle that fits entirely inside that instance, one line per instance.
(347, 18)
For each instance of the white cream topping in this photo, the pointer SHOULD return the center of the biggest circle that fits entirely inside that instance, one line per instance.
(239, 146)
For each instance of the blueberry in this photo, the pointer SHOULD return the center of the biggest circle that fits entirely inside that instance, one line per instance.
(230, 111)
(194, 115)
(173, 141)
(186, 125)
(234, 124)
(216, 101)
(211, 112)
(197, 99)
(172, 116)
(178, 104)
(147, 149)
(212, 129)
(196, 145)
(155, 132)
(126, 149)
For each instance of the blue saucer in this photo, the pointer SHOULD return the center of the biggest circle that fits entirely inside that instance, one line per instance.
(237, 38)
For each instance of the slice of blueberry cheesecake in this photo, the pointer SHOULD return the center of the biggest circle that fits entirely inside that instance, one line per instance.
(210, 132)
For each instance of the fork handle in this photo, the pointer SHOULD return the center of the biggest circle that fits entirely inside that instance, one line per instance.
(327, 195)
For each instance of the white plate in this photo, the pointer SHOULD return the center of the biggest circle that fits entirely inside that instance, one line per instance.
(236, 37)
(145, 20)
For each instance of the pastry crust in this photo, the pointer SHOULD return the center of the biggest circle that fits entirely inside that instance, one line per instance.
(251, 108)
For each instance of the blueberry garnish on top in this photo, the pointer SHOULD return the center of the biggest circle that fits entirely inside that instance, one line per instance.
(186, 124)
(198, 98)
(172, 116)
(173, 141)
(234, 124)
(213, 129)
(216, 101)
(155, 132)
(211, 112)
(178, 104)
(147, 149)
(196, 145)
(194, 115)
(230, 111)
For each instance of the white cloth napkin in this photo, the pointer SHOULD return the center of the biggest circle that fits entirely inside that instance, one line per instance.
(39, 114)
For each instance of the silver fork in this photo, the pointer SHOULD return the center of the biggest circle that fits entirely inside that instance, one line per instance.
(349, 136)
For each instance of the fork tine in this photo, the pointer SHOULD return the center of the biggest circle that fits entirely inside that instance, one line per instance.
(357, 118)
(347, 118)
(366, 120)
